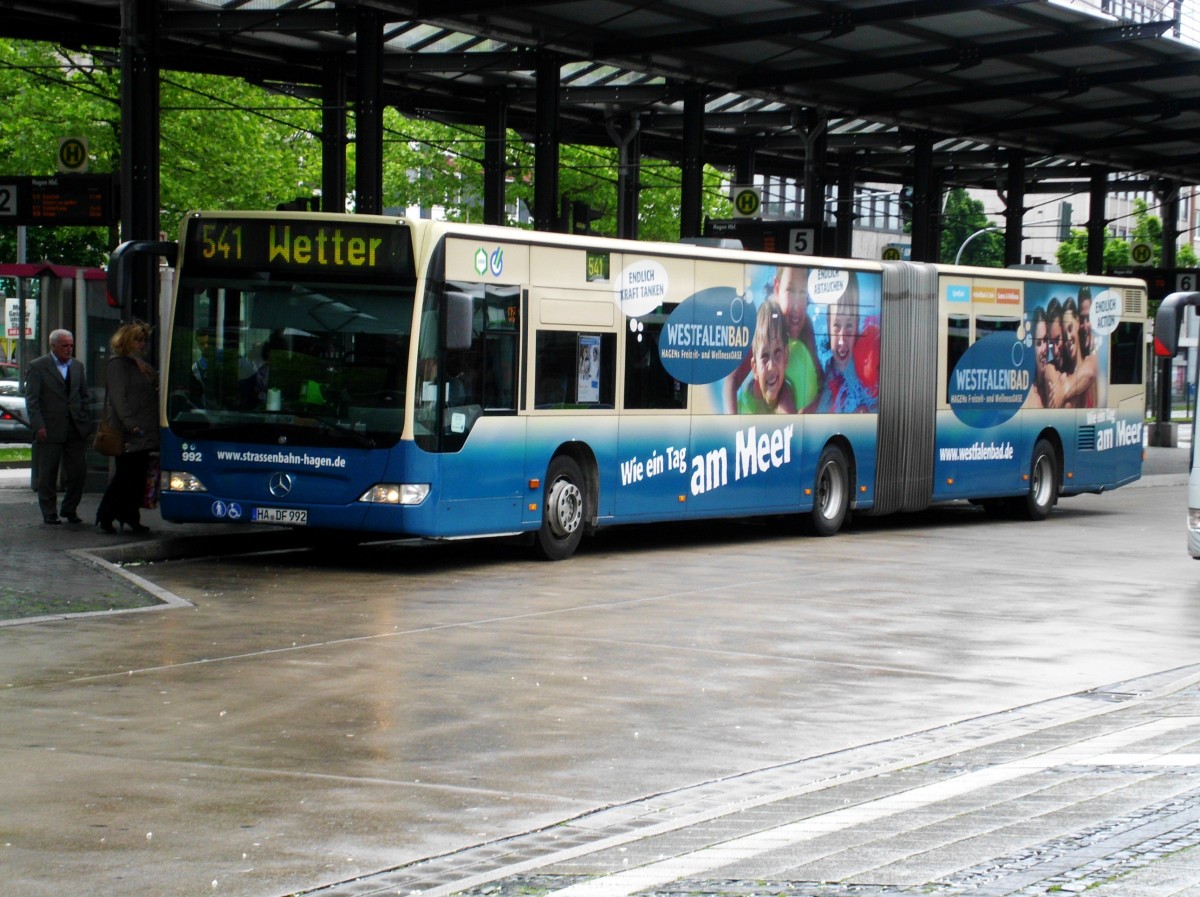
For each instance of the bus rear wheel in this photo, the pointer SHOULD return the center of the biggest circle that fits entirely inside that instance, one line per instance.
(831, 493)
(564, 510)
(1039, 499)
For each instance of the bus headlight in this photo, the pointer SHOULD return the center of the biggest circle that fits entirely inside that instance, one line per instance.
(1193, 518)
(396, 493)
(181, 481)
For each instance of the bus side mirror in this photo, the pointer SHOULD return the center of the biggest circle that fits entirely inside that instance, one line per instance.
(460, 313)
(1168, 320)
(121, 267)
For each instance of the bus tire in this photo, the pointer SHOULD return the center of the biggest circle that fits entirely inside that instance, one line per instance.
(564, 510)
(1040, 497)
(831, 493)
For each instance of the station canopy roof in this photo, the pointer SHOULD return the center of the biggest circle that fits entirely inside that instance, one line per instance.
(1075, 84)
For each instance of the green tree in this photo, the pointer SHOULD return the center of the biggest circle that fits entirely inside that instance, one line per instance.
(224, 143)
(430, 164)
(49, 92)
(961, 218)
(1147, 228)
(1071, 254)
(227, 144)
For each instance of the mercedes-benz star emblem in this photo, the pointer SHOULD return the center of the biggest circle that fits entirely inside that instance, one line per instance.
(281, 484)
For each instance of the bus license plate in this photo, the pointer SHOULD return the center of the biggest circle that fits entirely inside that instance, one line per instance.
(286, 516)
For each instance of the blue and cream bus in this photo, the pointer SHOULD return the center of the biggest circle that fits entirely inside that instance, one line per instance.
(1168, 321)
(411, 378)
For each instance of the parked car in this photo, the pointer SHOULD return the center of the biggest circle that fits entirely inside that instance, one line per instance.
(14, 424)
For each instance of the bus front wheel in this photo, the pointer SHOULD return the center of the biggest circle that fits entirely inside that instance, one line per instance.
(1039, 499)
(831, 493)
(564, 510)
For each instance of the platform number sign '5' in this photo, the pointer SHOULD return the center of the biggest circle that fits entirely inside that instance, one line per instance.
(801, 240)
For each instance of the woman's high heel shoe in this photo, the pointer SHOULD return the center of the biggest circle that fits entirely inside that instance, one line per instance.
(105, 527)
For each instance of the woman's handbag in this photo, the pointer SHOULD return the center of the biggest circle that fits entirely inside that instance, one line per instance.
(109, 438)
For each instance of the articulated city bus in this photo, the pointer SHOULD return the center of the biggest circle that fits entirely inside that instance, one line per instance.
(1167, 323)
(397, 378)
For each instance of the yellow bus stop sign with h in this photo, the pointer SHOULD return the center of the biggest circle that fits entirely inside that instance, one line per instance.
(72, 155)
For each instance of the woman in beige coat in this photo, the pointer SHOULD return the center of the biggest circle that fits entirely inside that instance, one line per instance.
(132, 399)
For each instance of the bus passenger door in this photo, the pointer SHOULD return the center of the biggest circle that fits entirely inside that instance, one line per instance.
(654, 430)
(480, 486)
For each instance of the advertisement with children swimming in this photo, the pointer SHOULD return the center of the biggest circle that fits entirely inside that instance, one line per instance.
(785, 341)
(797, 341)
(793, 340)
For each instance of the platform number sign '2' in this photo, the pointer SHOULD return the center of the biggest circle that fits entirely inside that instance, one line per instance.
(8, 199)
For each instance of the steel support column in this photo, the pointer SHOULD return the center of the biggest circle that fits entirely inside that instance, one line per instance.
(844, 236)
(1014, 208)
(925, 202)
(368, 114)
(545, 161)
(333, 137)
(629, 166)
(1168, 197)
(1097, 225)
(139, 147)
(495, 152)
(743, 166)
(629, 188)
(692, 185)
(816, 145)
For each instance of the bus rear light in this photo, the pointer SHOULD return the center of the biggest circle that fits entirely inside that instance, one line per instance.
(181, 481)
(396, 494)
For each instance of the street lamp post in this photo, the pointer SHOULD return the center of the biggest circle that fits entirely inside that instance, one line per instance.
(986, 230)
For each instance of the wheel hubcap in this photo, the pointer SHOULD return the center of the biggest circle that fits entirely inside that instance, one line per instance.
(829, 492)
(1041, 481)
(564, 508)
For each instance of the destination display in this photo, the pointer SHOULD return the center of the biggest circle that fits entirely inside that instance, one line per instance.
(70, 199)
(299, 246)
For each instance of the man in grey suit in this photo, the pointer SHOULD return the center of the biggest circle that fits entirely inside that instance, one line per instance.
(56, 398)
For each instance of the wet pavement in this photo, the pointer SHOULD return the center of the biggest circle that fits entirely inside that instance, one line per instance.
(929, 704)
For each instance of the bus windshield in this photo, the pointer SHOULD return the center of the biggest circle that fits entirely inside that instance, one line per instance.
(289, 361)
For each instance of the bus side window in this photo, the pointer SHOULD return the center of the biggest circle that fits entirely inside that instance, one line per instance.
(1125, 362)
(561, 380)
(500, 372)
(985, 324)
(958, 339)
(647, 383)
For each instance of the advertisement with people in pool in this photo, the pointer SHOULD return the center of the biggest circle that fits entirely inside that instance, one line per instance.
(793, 340)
